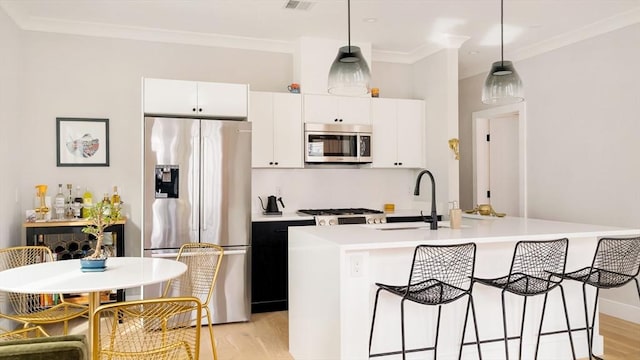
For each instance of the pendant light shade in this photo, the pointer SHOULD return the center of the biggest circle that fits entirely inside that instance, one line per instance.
(349, 73)
(503, 85)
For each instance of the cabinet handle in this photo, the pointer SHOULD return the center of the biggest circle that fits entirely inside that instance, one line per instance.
(276, 163)
(270, 162)
(395, 163)
(400, 164)
(340, 120)
(335, 120)
(194, 109)
(200, 110)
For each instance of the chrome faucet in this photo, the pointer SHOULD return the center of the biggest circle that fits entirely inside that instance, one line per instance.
(416, 192)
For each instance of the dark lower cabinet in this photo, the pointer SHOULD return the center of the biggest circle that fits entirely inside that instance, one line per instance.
(269, 264)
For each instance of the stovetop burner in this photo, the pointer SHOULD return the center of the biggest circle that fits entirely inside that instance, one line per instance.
(346, 211)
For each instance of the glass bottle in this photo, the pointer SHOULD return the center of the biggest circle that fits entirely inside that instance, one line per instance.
(77, 204)
(106, 202)
(58, 203)
(68, 206)
(87, 202)
(115, 198)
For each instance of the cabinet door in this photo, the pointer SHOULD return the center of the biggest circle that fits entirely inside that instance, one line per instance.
(261, 117)
(354, 110)
(384, 142)
(222, 100)
(410, 133)
(287, 133)
(170, 97)
(322, 109)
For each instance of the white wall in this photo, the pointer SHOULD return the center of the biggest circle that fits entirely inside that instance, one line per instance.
(582, 133)
(13, 141)
(334, 188)
(434, 79)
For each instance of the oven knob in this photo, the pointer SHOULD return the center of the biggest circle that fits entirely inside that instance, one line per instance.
(370, 221)
(378, 221)
(332, 222)
(321, 223)
(383, 220)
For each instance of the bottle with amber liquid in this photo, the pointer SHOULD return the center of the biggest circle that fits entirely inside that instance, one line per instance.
(87, 202)
(115, 198)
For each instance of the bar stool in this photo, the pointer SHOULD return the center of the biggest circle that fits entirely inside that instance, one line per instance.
(439, 274)
(615, 263)
(531, 273)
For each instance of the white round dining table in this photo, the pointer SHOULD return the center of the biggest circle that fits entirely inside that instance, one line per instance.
(66, 277)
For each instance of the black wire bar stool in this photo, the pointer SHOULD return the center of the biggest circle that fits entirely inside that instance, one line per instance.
(615, 263)
(439, 274)
(532, 270)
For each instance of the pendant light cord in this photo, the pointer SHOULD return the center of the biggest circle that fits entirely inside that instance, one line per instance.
(349, 24)
(502, 32)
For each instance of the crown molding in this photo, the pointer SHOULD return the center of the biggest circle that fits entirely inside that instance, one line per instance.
(45, 24)
(586, 32)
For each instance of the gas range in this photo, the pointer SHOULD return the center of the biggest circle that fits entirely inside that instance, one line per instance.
(345, 216)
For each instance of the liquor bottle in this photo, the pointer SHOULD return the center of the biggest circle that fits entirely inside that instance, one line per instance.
(106, 202)
(77, 203)
(87, 203)
(58, 203)
(115, 198)
(68, 206)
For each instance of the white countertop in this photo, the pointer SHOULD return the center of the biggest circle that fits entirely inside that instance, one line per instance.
(507, 229)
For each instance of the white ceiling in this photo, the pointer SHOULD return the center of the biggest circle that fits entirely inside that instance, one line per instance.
(403, 31)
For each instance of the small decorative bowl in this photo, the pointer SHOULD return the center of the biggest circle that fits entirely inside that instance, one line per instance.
(93, 265)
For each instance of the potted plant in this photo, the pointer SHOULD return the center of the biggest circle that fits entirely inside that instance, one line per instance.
(102, 215)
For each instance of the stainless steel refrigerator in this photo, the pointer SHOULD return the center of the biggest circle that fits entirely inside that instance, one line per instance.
(197, 188)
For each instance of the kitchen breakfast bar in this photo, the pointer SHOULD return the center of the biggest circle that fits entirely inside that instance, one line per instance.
(333, 271)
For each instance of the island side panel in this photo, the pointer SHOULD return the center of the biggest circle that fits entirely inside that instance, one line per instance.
(314, 297)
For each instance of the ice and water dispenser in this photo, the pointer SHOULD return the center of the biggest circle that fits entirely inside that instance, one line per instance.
(167, 181)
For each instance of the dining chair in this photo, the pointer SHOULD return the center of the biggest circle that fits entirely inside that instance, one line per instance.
(616, 262)
(203, 263)
(39, 309)
(22, 333)
(153, 329)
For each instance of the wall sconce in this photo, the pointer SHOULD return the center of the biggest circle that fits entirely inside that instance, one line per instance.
(454, 145)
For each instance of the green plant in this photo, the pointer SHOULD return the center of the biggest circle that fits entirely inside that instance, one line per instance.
(101, 216)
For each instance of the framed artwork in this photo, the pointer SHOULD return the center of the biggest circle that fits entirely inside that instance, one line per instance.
(82, 142)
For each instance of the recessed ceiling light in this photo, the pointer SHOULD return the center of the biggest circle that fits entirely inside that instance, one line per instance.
(370, 20)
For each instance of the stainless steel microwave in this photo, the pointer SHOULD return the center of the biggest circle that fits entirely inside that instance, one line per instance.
(337, 143)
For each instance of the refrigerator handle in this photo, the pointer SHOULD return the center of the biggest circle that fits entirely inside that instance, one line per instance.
(194, 210)
(203, 218)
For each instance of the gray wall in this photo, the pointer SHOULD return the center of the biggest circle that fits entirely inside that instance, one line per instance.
(582, 133)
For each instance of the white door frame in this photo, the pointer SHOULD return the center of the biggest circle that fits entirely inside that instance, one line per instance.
(479, 121)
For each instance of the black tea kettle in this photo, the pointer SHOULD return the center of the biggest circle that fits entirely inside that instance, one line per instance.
(272, 205)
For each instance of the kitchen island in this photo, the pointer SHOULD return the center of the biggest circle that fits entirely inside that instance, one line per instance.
(333, 271)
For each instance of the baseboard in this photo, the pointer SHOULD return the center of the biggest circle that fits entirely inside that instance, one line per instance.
(620, 310)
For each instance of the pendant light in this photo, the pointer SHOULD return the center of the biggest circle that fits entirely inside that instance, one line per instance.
(349, 73)
(503, 85)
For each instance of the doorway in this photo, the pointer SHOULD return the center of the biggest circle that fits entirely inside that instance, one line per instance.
(499, 162)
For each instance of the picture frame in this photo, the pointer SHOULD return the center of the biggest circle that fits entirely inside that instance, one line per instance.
(82, 142)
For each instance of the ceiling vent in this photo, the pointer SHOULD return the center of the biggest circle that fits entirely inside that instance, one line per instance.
(298, 5)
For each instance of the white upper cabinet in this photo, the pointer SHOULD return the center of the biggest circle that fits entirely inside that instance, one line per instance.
(398, 133)
(277, 130)
(329, 109)
(194, 98)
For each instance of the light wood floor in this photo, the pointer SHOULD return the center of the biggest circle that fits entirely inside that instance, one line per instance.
(266, 337)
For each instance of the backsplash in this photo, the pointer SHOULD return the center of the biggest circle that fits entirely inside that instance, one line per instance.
(334, 188)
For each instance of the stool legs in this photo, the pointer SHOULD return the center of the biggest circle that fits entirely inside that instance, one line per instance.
(435, 347)
(524, 309)
(589, 328)
(373, 320)
(475, 327)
